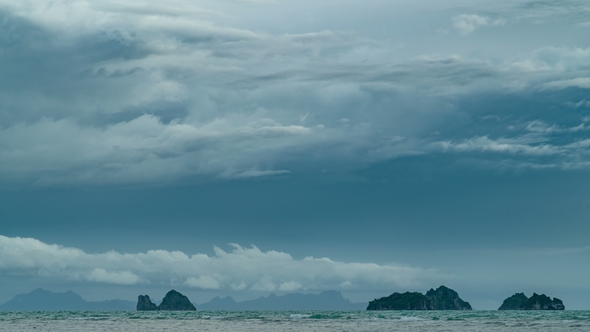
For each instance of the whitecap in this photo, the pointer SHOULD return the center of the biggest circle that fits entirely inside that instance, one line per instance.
(299, 316)
(410, 319)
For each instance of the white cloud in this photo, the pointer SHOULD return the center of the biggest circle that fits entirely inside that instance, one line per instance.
(203, 282)
(468, 23)
(530, 150)
(527, 145)
(581, 103)
(290, 286)
(240, 286)
(264, 285)
(239, 269)
(144, 148)
(346, 284)
(119, 277)
(539, 126)
(579, 82)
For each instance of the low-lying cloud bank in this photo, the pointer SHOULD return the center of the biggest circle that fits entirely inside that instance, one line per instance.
(238, 269)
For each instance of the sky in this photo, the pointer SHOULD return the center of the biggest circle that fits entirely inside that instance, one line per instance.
(249, 147)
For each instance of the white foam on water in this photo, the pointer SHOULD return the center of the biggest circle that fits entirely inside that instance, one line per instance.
(410, 319)
(299, 316)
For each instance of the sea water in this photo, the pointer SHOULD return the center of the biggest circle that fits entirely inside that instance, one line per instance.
(296, 321)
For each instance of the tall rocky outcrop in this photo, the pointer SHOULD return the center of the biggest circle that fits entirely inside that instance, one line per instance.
(443, 298)
(172, 301)
(176, 301)
(514, 302)
(145, 304)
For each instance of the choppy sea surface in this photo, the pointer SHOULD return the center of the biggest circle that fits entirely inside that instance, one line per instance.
(297, 321)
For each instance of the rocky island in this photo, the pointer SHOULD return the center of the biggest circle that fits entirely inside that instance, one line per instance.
(443, 298)
(144, 303)
(172, 301)
(519, 301)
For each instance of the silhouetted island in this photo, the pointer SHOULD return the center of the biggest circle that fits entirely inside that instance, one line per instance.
(144, 303)
(172, 301)
(519, 301)
(443, 298)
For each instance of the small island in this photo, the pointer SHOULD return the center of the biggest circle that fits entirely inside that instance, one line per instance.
(443, 298)
(171, 302)
(519, 301)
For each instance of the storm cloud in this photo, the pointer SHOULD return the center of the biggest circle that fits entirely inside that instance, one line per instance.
(106, 93)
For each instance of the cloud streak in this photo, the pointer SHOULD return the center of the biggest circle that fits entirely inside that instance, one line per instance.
(468, 23)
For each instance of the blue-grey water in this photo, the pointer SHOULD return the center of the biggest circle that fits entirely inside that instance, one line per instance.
(297, 321)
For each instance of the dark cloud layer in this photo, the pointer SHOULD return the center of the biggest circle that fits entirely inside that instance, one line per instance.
(146, 96)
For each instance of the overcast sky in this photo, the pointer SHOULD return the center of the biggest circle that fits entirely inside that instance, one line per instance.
(243, 147)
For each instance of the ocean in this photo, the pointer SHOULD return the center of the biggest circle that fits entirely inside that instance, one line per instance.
(568, 320)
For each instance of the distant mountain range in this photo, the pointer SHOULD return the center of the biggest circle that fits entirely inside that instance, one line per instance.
(44, 300)
(328, 300)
